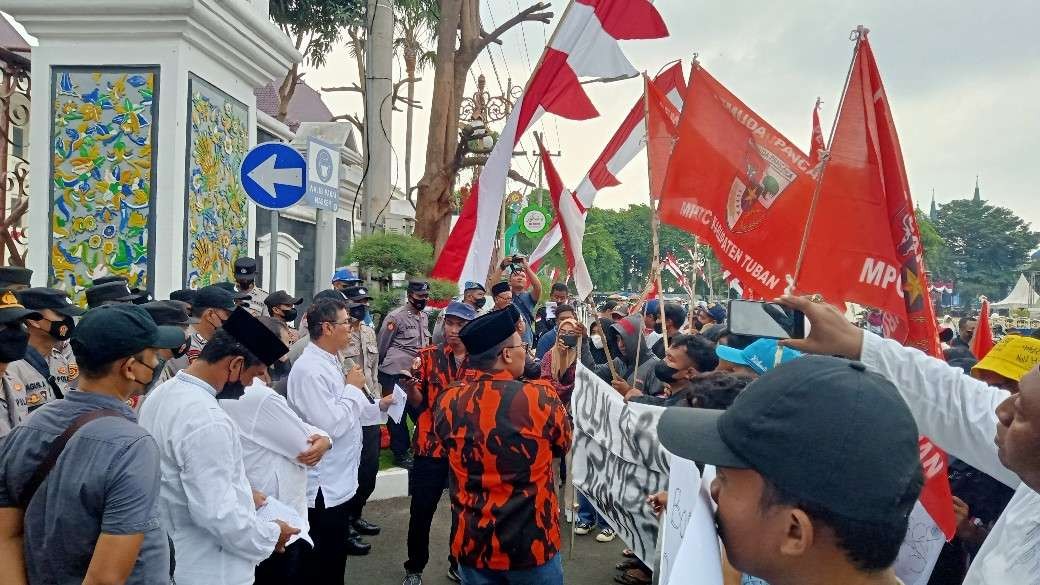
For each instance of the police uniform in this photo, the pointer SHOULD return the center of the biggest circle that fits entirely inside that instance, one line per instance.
(13, 407)
(245, 269)
(403, 332)
(47, 377)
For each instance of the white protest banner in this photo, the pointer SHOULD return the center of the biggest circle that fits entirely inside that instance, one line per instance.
(617, 459)
(683, 484)
(920, 550)
(699, 559)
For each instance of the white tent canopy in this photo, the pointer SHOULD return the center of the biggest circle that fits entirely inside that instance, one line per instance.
(1022, 295)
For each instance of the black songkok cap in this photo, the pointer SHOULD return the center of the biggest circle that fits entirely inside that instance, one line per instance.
(499, 288)
(487, 331)
(255, 336)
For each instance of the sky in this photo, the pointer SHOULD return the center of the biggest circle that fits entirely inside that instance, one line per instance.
(961, 79)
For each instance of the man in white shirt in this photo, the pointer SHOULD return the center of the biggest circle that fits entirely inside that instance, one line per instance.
(318, 393)
(206, 503)
(991, 429)
(277, 448)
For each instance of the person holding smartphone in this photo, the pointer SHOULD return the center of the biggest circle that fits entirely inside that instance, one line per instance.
(526, 290)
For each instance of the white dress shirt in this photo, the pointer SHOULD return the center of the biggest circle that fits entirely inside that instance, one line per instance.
(318, 392)
(959, 414)
(272, 437)
(205, 502)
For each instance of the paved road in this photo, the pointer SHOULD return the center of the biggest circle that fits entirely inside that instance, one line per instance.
(592, 562)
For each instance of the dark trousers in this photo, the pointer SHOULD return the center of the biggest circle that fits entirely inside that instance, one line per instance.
(327, 562)
(368, 467)
(427, 480)
(399, 438)
(286, 567)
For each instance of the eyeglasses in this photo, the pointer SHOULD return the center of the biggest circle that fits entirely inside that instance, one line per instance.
(334, 323)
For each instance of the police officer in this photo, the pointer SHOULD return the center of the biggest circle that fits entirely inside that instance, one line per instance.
(363, 352)
(343, 278)
(46, 373)
(140, 296)
(475, 295)
(13, 343)
(15, 278)
(282, 306)
(109, 293)
(213, 305)
(403, 332)
(245, 279)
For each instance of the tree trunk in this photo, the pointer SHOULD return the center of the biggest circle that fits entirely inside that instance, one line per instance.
(409, 63)
(286, 91)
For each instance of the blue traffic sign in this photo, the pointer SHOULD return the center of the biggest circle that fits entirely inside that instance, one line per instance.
(274, 175)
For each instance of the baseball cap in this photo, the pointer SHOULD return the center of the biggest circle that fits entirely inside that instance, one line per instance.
(717, 312)
(823, 429)
(1012, 357)
(418, 287)
(329, 293)
(280, 297)
(214, 297)
(15, 276)
(760, 356)
(109, 292)
(39, 298)
(357, 293)
(169, 313)
(470, 285)
(111, 332)
(460, 310)
(245, 268)
(11, 310)
(184, 295)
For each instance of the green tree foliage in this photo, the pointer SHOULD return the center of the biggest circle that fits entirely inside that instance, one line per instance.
(936, 253)
(385, 254)
(988, 246)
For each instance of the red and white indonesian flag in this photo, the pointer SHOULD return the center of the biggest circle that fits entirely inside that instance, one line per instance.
(571, 218)
(585, 44)
(628, 141)
(671, 264)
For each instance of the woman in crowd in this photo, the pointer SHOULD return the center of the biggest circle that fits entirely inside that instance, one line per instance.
(598, 339)
(559, 363)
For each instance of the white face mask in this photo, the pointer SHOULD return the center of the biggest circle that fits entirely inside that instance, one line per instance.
(597, 340)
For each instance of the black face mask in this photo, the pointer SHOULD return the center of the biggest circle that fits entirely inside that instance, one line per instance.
(361, 311)
(180, 351)
(279, 370)
(419, 304)
(233, 389)
(158, 368)
(289, 316)
(479, 303)
(245, 284)
(665, 373)
(569, 339)
(61, 330)
(13, 342)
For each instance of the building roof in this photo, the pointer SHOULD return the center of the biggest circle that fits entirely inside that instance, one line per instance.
(11, 39)
(306, 105)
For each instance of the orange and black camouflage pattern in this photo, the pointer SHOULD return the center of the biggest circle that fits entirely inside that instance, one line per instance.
(501, 436)
(437, 371)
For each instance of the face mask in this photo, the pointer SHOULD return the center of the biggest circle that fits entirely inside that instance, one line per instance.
(665, 373)
(180, 351)
(158, 368)
(279, 370)
(569, 340)
(289, 316)
(419, 304)
(597, 340)
(233, 389)
(244, 284)
(657, 328)
(13, 342)
(61, 330)
(360, 312)
(479, 303)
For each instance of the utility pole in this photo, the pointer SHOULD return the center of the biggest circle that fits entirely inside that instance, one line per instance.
(378, 108)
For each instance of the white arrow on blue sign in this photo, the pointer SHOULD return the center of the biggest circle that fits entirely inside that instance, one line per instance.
(274, 175)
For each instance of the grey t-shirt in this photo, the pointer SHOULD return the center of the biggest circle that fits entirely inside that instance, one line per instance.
(106, 480)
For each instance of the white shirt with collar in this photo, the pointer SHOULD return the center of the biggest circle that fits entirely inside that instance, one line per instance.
(958, 413)
(273, 435)
(205, 500)
(319, 393)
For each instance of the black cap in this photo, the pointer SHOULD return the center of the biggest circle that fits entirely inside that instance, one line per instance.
(109, 292)
(822, 429)
(418, 286)
(111, 332)
(11, 310)
(245, 268)
(499, 288)
(169, 313)
(110, 278)
(39, 298)
(357, 293)
(280, 297)
(255, 336)
(487, 331)
(185, 295)
(214, 297)
(329, 294)
(15, 276)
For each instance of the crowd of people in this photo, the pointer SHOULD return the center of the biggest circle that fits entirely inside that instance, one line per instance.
(221, 436)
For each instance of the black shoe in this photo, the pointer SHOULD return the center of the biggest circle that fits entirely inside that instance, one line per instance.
(357, 547)
(362, 526)
(453, 574)
(405, 461)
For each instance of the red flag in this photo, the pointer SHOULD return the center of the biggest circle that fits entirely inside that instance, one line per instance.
(736, 182)
(982, 341)
(816, 143)
(662, 120)
(572, 223)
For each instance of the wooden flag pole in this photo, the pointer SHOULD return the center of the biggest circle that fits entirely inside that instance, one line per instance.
(856, 35)
(655, 265)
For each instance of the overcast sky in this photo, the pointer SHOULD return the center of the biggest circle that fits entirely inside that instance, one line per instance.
(963, 80)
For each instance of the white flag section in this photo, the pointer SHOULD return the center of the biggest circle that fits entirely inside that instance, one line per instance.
(617, 459)
(920, 550)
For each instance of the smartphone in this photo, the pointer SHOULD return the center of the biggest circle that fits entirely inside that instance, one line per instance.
(550, 309)
(764, 319)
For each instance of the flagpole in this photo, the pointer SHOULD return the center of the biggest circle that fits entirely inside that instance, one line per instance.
(655, 265)
(859, 32)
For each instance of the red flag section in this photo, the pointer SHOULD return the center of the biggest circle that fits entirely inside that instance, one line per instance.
(736, 182)
(982, 342)
(662, 121)
(816, 142)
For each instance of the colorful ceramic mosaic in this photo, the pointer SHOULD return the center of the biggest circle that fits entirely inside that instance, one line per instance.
(102, 134)
(216, 207)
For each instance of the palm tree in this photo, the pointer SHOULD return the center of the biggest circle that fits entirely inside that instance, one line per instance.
(417, 26)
